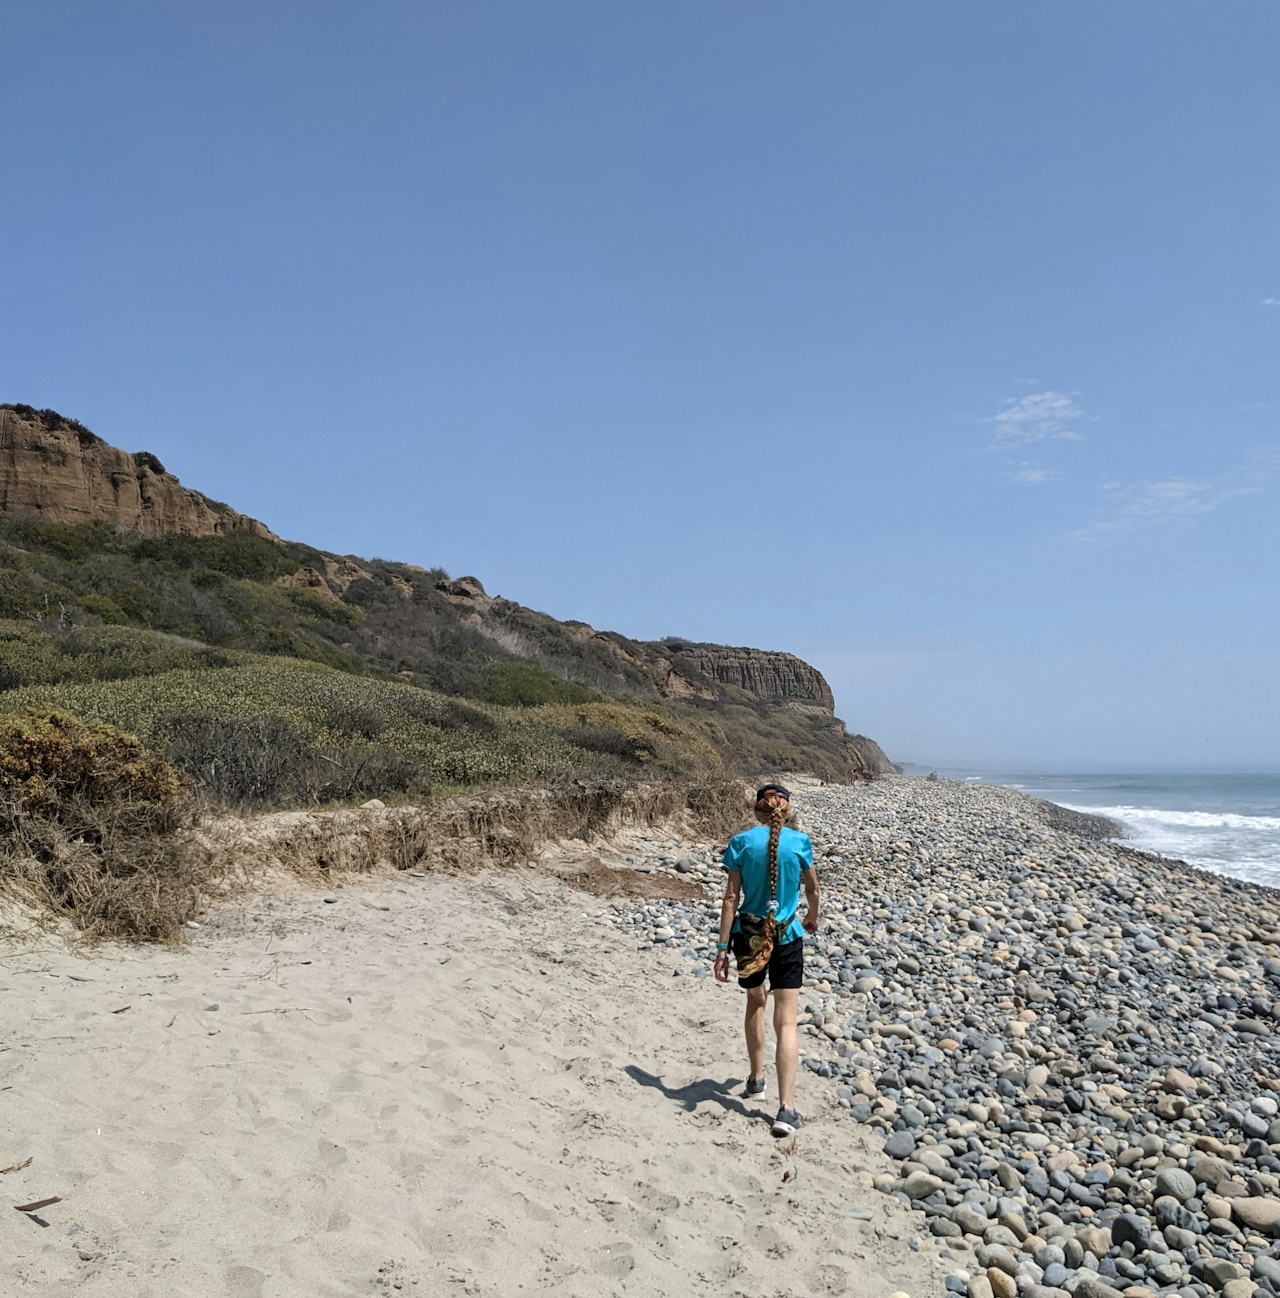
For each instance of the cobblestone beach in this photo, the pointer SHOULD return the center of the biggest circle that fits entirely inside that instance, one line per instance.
(1070, 1047)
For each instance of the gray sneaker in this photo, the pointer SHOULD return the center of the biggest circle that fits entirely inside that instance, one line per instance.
(755, 1089)
(787, 1123)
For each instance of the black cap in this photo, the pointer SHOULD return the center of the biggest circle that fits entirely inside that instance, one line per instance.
(773, 788)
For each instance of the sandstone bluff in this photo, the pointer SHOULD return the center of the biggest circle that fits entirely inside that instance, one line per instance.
(56, 470)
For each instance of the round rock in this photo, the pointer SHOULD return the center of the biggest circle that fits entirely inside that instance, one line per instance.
(1209, 1171)
(901, 1144)
(1258, 1214)
(920, 1185)
(1255, 1126)
(970, 1218)
(1089, 1285)
(1129, 1228)
(1047, 1254)
(1174, 1181)
(998, 1255)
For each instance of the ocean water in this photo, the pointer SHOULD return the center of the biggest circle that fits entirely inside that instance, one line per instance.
(1226, 823)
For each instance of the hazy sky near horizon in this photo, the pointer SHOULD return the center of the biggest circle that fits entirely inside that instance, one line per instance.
(934, 342)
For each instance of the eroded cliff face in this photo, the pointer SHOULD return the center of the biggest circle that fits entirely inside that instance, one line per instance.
(777, 677)
(56, 470)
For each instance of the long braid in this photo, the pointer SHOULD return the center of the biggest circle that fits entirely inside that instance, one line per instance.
(776, 816)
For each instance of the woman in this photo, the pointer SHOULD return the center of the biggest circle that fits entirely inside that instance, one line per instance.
(765, 866)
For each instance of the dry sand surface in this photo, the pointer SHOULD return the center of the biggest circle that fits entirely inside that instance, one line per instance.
(435, 1086)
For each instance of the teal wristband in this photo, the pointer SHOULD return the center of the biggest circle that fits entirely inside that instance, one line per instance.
(722, 946)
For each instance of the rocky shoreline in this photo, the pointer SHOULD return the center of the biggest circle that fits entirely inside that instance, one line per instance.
(1071, 1047)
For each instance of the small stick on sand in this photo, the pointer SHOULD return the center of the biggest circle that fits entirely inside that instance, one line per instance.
(39, 1203)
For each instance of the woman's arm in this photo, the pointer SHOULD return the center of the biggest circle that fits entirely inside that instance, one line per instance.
(809, 878)
(728, 909)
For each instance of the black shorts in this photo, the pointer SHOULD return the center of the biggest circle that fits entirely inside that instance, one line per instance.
(785, 967)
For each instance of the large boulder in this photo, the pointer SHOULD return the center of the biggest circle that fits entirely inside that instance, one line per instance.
(920, 1185)
(901, 1144)
(1217, 1271)
(997, 1255)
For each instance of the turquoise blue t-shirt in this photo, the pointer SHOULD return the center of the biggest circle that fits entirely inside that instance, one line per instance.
(748, 854)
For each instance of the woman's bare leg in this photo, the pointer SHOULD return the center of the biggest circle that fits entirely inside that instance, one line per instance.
(755, 1029)
(785, 1002)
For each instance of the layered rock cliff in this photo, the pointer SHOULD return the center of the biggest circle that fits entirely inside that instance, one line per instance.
(778, 677)
(56, 470)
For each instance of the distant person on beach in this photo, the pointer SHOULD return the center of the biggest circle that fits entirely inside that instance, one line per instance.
(765, 866)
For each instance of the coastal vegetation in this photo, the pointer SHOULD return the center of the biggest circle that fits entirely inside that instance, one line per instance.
(200, 668)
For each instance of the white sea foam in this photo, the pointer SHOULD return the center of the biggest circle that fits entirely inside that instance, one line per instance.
(1226, 823)
(1195, 819)
(1242, 846)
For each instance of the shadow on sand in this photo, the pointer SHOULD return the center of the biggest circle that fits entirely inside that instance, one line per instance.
(700, 1092)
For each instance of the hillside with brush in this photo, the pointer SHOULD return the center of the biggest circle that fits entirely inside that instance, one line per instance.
(275, 673)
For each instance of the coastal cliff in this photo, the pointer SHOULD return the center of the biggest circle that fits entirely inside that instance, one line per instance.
(54, 469)
(175, 562)
(779, 677)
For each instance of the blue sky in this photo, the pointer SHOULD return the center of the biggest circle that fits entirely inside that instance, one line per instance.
(933, 342)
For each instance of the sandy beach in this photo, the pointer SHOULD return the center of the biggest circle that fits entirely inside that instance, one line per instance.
(437, 1085)
(1035, 1064)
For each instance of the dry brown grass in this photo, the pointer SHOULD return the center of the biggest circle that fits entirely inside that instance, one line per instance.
(117, 866)
(128, 870)
(494, 827)
(95, 830)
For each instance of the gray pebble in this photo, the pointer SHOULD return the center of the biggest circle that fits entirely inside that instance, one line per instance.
(1174, 1181)
(901, 1144)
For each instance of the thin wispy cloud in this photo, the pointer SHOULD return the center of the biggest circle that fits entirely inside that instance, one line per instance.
(1169, 500)
(1271, 301)
(1038, 417)
(1032, 473)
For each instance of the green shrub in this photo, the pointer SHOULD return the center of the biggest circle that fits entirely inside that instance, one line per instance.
(349, 719)
(233, 554)
(365, 771)
(524, 685)
(288, 642)
(612, 741)
(29, 655)
(470, 748)
(447, 713)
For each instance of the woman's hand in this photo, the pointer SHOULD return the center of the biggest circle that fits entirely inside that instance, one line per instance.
(810, 923)
(722, 966)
